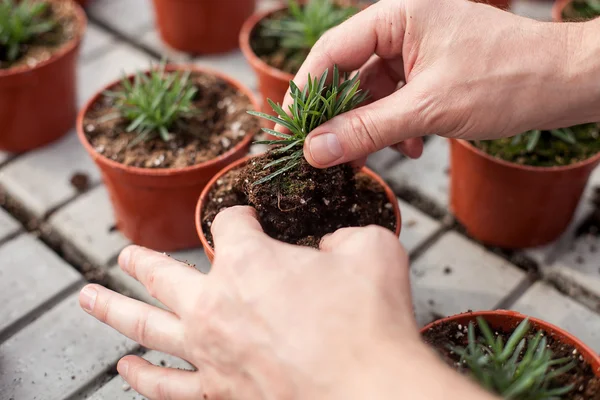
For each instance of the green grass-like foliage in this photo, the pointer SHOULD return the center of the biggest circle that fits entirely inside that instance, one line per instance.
(582, 10)
(316, 104)
(532, 138)
(521, 369)
(154, 101)
(306, 24)
(20, 23)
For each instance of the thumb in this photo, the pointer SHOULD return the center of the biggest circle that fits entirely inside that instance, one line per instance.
(365, 130)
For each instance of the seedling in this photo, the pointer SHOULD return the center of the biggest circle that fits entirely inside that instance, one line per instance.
(306, 24)
(20, 23)
(316, 104)
(521, 369)
(154, 101)
(533, 137)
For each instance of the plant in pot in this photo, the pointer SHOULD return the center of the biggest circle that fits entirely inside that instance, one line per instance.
(276, 42)
(575, 10)
(202, 26)
(39, 44)
(297, 203)
(523, 191)
(517, 357)
(158, 137)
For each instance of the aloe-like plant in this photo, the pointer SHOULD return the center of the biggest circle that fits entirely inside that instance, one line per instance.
(20, 23)
(154, 101)
(306, 24)
(532, 137)
(521, 369)
(312, 106)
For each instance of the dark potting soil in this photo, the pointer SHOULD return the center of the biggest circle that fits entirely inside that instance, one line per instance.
(220, 123)
(45, 45)
(586, 384)
(303, 205)
(550, 151)
(269, 49)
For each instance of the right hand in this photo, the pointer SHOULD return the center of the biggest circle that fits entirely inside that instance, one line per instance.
(472, 71)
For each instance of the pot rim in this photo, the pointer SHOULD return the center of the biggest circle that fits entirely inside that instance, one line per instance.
(529, 168)
(557, 9)
(65, 49)
(160, 172)
(245, 34)
(204, 195)
(591, 357)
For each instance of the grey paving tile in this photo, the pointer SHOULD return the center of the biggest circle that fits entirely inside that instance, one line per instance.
(95, 42)
(428, 175)
(540, 10)
(130, 18)
(41, 180)
(194, 257)
(118, 389)
(151, 39)
(87, 223)
(97, 73)
(8, 225)
(456, 275)
(545, 302)
(417, 227)
(4, 157)
(58, 354)
(383, 160)
(30, 275)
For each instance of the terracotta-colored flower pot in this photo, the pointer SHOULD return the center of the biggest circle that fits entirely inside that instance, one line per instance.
(210, 252)
(155, 207)
(508, 320)
(503, 4)
(557, 9)
(202, 26)
(272, 82)
(38, 104)
(510, 205)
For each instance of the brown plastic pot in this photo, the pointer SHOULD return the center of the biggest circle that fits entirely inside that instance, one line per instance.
(558, 8)
(511, 205)
(155, 207)
(38, 104)
(210, 252)
(507, 321)
(202, 26)
(272, 82)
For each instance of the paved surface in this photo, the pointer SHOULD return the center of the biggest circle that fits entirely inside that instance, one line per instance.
(59, 237)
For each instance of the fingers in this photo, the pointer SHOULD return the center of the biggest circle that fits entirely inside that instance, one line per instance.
(167, 280)
(370, 128)
(379, 29)
(150, 326)
(412, 148)
(156, 383)
(234, 226)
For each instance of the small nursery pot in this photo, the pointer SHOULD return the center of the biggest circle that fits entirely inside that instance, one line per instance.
(272, 82)
(506, 320)
(558, 8)
(510, 205)
(38, 104)
(202, 26)
(210, 252)
(155, 207)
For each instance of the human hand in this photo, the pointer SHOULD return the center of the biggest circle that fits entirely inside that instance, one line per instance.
(275, 321)
(471, 71)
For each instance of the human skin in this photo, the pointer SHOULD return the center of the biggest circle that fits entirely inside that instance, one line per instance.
(276, 321)
(471, 71)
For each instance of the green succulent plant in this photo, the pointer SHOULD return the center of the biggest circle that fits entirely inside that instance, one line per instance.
(154, 101)
(532, 137)
(582, 10)
(316, 104)
(20, 23)
(520, 369)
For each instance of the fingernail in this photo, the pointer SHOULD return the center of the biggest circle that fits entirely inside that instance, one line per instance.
(123, 367)
(87, 298)
(326, 148)
(124, 258)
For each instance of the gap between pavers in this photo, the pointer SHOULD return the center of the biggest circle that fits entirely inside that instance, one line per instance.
(456, 275)
(152, 41)
(130, 18)
(417, 227)
(8, 226)
(118, 389)
(544, 302)
(427, 176)
(30, 276)
(41, 179)
(59, 354)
